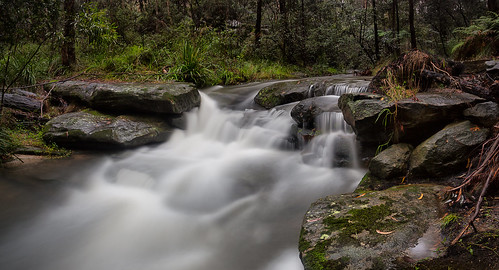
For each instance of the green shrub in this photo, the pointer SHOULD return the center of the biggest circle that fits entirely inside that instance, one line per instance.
(7, 145)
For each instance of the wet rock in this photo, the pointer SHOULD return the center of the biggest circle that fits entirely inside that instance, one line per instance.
(392, 162)
(429, 112)
(447, 150)
(92, 130)
(282, 93)
(486, 114)
(361, 111)
(417, 118)
(305, 112)
(379, 230)
(167, 98)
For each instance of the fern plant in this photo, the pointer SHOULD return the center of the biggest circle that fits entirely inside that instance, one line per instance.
(479, 40)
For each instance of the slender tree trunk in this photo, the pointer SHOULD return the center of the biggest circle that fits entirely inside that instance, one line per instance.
(411, 25)
(396, 26)
(258, 25)
(376, 37)
(285, 29)
(493, 5)
(68, 54)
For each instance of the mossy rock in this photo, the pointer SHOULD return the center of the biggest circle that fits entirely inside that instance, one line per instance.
(122, 98)
(282, 93)
(372, 230)
(93, 130)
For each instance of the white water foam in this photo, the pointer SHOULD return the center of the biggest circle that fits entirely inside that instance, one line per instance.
(227, 193)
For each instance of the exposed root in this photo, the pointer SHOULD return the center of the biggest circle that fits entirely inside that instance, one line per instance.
(484, 174)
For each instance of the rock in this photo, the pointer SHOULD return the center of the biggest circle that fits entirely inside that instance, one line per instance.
(493, 68)
(379, 230)
(392, 162)
(89, 129)
(447, 150)
(305, 112)
(167, 98)
(361, 111)
(417, 118)
(282, 93)
(22, 102)
(429, 112)
(486, 114)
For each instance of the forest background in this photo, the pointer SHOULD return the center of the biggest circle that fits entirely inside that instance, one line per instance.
(227, 41)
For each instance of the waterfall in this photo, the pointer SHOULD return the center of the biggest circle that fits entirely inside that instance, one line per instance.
(227, 193)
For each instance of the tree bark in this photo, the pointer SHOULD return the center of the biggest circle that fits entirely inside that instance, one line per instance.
(411, 25)
(376, 37)
(68, 54)
(258, 25)
(396, 26)
(285, 29)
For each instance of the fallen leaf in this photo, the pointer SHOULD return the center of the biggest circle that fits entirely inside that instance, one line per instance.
(314, 220)
(420, 197)
(361, 195)
(384, 233)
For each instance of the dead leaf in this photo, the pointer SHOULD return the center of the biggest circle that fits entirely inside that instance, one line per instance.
(384, 233)
(420, 197)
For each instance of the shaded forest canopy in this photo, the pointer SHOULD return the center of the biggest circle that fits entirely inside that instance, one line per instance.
(225, 42)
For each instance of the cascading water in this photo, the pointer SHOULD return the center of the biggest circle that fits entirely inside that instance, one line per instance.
(228, 193)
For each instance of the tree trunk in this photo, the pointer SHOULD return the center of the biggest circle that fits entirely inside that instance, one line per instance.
(258, 25)
(493, 5)
(68, 54)
(376, 37)
(396, 26)
(285, 29)
(411, 25)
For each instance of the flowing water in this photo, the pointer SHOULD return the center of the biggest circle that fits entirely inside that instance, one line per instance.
(227, 193)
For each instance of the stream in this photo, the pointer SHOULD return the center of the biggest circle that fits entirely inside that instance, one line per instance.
(227, 193)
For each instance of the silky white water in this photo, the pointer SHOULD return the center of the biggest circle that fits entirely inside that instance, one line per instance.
(228, 193)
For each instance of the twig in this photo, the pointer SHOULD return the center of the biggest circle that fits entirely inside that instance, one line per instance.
(52, 82)
(43, 100)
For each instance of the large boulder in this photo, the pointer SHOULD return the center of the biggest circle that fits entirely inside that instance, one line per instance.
(447, 150)
(22, 100)
(166, 98)
(305, 112)
(417, 118)
(427, 113)
(92, 130)
(392, 162)
(486, 114)
(374, 230)
(363, 112)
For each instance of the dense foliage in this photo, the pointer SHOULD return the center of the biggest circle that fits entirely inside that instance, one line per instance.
(215, 41)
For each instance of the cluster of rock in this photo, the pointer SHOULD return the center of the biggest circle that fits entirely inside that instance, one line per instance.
(384, 225)
(121, 115)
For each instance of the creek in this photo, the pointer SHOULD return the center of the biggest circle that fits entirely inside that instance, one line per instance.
(227, 193)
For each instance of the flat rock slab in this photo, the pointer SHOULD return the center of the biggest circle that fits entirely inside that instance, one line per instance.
(291, 91)
(373, 230)
(92, 130)
(124, 98)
